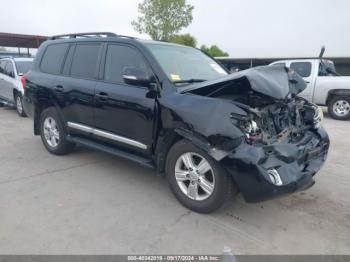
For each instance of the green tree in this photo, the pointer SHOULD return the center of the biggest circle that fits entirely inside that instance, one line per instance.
(161, 19)
(214, 51)
(185, 39)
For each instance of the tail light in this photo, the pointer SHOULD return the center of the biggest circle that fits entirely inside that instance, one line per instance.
(24, 81)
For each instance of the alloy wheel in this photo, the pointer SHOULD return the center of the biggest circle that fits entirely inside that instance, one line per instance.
(51, 132)
(194, 176)
(341, 108)
(19, 105)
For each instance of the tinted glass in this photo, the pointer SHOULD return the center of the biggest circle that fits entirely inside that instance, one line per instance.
(68, 62)
(53, 58)
(183, 63)
(23, 66)
(84, 62)
(326, 68)
(118, 57)
(302, 68)
(9, 70)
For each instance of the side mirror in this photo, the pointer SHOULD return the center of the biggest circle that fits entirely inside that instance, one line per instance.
(135, 76)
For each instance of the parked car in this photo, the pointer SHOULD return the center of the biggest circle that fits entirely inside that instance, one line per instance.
(12, 78)
(324, 86)
(173, 108)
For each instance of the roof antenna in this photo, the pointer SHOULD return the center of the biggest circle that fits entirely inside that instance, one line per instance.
(322, 52)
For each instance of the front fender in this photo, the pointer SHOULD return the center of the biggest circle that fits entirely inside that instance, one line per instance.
(204, 144)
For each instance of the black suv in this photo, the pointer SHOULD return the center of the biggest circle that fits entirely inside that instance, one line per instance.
(175, 109)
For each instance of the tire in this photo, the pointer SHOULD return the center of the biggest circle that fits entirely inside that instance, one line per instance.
(19, 105)
(219, 181)
(53, 133)
(339, 107)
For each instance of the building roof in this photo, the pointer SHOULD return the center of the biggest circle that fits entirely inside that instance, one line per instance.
(341, 60)
(19, 40)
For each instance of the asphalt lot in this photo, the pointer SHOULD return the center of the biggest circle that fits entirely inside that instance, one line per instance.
(93, 203)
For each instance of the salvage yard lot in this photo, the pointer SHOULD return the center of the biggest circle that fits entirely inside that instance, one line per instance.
(93, 203)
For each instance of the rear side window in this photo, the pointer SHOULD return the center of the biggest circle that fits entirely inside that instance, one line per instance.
(53, 58)
(118, 57)
(302, 68)
(84, 62)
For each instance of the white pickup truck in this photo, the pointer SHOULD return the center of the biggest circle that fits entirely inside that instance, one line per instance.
(324, 86)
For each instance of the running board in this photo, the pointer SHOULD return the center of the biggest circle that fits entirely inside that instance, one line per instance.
(111, 150)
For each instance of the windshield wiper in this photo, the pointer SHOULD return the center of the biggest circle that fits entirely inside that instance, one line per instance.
(189, 81)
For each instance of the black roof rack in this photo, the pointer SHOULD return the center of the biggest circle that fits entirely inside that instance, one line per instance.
(92, 34)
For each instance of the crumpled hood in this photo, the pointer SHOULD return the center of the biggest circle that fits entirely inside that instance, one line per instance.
(277, 82)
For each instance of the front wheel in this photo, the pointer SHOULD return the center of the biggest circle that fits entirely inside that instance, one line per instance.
(339, 107)
(19, 105)
(196, 179)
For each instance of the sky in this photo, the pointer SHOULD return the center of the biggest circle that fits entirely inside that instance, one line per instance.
(243, 28)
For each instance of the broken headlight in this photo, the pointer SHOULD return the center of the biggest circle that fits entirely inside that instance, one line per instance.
(250, 128)
(318, 117)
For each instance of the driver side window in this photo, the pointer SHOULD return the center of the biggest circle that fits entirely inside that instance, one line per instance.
(118, 58)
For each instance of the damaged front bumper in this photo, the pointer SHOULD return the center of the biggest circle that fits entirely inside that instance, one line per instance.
(265, 172)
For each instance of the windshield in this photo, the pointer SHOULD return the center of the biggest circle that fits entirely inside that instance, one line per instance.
(23, 66)
(184, 65)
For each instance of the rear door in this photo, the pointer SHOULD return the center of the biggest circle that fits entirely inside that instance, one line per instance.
(75, 87)
(304, 69)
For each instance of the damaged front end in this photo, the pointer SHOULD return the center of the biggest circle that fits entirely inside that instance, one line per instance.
(282, 143)
(284, 148)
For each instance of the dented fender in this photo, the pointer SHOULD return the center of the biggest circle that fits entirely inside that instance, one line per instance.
(204, 121)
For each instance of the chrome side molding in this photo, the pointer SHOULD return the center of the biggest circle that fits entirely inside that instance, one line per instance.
(107, 135)
(80, 127)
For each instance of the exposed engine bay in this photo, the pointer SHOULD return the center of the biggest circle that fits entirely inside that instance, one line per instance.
(268, 120)
(279, 122)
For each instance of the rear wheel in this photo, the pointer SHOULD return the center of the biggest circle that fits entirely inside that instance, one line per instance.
(196, 179)
(339, 107)
(19, 105)
(53, 133)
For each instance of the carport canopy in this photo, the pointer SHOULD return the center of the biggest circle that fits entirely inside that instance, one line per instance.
(19, 40)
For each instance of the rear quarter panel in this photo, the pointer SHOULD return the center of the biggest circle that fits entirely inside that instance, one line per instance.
(325, 84)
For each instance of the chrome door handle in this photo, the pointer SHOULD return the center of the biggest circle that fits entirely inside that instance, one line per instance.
(59, 89)
(102, 96)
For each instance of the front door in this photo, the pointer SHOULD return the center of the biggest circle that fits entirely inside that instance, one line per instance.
(123, 114)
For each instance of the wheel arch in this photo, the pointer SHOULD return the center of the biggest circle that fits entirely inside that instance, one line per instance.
(39, 108)
(337, 92)
(169, 138)
(15, 92)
